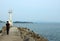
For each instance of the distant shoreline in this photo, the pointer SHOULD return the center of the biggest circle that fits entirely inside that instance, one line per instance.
(2, 21)
(15, 22)
(22, 22)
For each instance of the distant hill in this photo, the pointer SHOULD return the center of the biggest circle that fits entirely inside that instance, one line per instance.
(21, 22)
(1, 21)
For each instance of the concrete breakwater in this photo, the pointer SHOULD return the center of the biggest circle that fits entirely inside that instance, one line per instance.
(20, 34)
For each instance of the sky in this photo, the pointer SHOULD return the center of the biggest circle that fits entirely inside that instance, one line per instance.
(31, 10)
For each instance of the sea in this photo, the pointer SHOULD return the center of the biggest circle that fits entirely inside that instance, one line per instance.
(51, 31)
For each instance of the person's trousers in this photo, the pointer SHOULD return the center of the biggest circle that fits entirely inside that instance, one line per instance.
(7, 31)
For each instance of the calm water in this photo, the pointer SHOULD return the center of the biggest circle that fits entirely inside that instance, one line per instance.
(49, 30)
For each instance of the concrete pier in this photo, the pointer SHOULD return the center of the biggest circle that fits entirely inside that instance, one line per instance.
(20, 34)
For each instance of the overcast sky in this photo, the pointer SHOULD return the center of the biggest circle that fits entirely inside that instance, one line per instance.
(31, 10)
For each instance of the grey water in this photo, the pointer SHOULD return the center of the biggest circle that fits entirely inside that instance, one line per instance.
(49, 30)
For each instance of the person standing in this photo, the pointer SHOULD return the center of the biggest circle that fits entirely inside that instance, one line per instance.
(7, 27)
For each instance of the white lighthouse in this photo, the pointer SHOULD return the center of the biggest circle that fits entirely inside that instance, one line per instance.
(10, 18)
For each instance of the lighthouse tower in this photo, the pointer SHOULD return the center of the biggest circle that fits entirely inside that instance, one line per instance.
(10, 18)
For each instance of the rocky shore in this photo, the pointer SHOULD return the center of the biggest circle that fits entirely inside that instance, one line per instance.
(20, 34)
